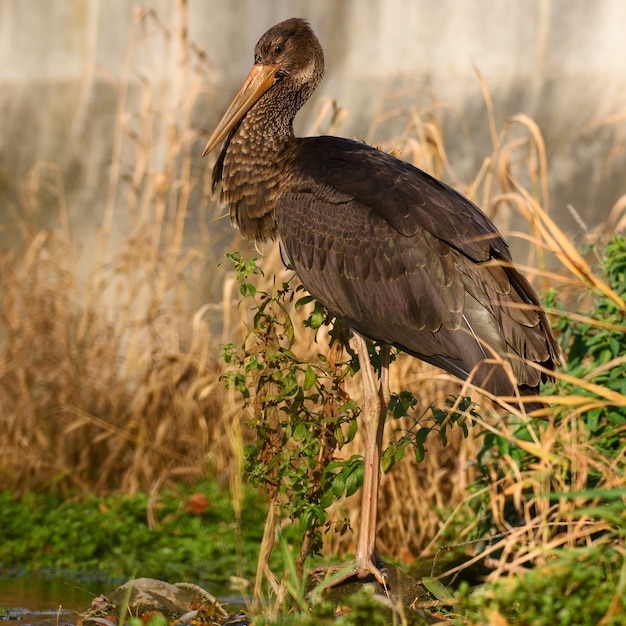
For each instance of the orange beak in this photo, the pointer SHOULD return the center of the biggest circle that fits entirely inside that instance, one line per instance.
(258, 81)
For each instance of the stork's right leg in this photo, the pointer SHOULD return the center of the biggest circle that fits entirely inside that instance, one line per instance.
(374, 413)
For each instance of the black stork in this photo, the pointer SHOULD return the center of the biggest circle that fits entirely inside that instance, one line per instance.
(401, 257)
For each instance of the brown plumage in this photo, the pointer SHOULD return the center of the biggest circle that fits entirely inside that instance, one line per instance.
(400, 256)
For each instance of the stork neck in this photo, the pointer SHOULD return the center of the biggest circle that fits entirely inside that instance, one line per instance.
(255, 163)
(268, 126)
(263, 136)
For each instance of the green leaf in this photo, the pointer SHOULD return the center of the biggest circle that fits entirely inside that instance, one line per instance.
(327, 499)
(309, 378)
(354, 479)
(339, 436)
(436, 588)
(388, 459)
(303, 300)
(339, 485)
(317, 317)
(301, 432)
(399, 454)
(420, 451)
(422, 434)
(352, 430)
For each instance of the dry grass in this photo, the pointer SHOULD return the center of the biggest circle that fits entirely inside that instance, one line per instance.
(109, 375)
(110, 380)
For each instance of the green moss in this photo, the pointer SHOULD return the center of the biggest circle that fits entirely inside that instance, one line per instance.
(585, 586)
(112, 535)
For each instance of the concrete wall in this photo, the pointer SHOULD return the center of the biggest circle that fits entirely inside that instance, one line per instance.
(563, 62)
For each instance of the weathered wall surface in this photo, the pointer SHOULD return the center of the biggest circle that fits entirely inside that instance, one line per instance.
(562, 62)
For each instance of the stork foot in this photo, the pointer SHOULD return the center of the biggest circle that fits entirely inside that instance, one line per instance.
(365, 569)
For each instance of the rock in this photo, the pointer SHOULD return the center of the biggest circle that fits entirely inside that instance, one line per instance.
(147, 595)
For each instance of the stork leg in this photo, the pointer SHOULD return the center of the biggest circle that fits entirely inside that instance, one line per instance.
(375, 401)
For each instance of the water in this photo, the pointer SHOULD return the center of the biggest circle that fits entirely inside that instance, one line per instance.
(57, 600)
(30, 600)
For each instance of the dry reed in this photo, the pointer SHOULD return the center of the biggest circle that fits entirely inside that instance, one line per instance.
(109, 376)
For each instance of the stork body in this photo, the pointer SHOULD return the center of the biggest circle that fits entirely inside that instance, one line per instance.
(400, 256)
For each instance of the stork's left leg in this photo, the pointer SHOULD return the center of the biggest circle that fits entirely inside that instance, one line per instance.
(375, 401)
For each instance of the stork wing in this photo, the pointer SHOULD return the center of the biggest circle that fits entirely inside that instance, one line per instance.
(403, 259)
(406, 197)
